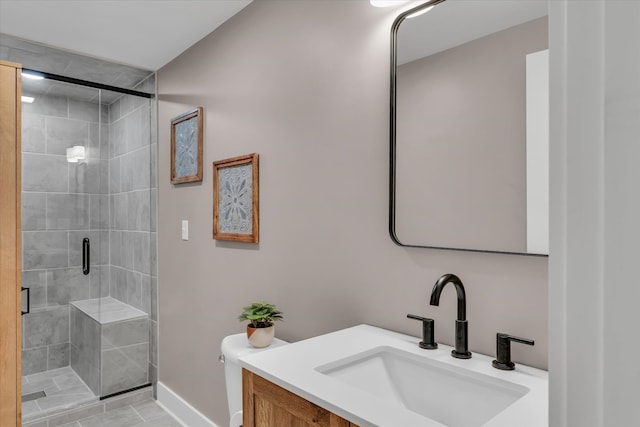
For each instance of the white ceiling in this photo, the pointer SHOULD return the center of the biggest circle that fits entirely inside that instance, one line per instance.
(454, 22)
(143, 33)
(150, 33)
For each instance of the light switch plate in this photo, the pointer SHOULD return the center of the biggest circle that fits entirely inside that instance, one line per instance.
(185, 229)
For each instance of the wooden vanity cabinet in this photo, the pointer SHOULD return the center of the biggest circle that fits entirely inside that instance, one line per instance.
(265, 404)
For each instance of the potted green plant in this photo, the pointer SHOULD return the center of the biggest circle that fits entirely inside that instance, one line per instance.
(261, 315)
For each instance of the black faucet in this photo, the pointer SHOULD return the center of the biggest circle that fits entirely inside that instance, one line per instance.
(461, 350)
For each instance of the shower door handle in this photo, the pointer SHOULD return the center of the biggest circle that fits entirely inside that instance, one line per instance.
(28, 300)
(85, 256)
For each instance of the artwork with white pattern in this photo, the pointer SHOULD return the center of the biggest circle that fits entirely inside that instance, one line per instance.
(236, 199)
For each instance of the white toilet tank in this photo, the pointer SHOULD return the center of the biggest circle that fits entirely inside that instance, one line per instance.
(232, 347)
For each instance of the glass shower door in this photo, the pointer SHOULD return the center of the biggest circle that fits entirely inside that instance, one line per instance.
(88, 245)
(65, 231)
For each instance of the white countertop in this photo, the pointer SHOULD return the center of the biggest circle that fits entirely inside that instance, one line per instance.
(293, 367)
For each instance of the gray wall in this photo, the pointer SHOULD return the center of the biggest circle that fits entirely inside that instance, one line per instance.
(595, 205)
(305, 84)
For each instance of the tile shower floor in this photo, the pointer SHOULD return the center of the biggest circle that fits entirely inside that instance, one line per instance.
(63, 389)
(132, 409)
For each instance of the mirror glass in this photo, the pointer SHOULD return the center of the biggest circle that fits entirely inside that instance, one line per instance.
(469, 126)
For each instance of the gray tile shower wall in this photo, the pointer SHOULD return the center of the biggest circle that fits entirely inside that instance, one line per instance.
(47, 173)
(52, 60)
(132, 192)
(46, 326)
(62, 203)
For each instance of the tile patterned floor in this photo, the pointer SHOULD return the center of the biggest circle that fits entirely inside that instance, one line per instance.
(142, 414)
(63, 387)
(133, 409)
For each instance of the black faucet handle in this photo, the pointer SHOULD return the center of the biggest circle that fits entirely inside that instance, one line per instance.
(503, 350)
(428, 327)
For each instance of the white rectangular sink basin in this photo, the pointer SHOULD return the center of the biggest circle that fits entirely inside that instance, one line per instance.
(374, 377)
(453, 396)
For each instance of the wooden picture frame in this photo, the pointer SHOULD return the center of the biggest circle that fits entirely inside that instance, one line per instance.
(235, 199)
(186, 147)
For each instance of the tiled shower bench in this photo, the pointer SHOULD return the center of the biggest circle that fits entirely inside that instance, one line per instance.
(109, 345)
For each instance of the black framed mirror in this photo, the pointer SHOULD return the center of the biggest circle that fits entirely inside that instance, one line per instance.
(469, 126)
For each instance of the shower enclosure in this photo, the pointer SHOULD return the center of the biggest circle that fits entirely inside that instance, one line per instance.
(88, 240)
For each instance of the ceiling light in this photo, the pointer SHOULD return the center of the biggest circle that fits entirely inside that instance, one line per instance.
(387, 3)
(31, 75)
(27, 99)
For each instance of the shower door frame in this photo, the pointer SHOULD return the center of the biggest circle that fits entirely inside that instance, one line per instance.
(10, 244)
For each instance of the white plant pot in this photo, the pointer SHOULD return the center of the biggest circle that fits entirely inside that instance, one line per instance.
(260, 337)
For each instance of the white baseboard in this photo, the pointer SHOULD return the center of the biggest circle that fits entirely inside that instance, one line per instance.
(180, 409)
